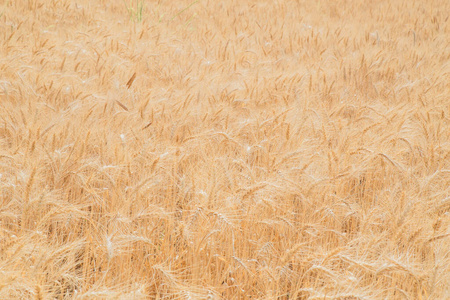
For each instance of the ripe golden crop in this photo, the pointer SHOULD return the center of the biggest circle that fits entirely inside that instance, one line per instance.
(224, 149)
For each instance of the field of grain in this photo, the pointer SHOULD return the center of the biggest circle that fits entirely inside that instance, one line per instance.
(224, 149)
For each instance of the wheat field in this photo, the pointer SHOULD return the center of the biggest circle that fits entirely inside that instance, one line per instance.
(224, 149)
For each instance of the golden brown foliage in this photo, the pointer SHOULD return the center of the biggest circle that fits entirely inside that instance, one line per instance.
(225, 150)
